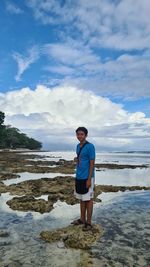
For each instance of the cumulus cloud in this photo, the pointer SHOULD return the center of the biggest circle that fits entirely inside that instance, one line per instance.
(52, 115)
(24, 62)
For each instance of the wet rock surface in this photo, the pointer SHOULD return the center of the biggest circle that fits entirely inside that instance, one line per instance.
(73, 236)
(4, 233)
(12, 163)
(5, 176)
(58, 188)
(27, 203)
(118, 166)
(125, 241)
(3, 188)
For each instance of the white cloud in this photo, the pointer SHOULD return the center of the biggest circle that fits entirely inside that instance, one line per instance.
(24, 62)
(71, 54)
(60, 69)
(121, 24)
(75, 64)
(13, 9)
(127, 76)
(52, 115)
(86, 28)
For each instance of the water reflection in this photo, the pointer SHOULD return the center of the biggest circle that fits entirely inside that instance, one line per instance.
(125, 242)
(101, 157)
(124, 177)
(26, 176)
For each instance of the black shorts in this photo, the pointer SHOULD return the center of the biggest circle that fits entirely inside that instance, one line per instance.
(80, 186)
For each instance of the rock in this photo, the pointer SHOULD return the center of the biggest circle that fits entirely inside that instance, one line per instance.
(74, 236)
(29, 203)
(118, 166)
(64, 237)
(5, 176)
(3, 188)
(14, 264)
(5, 243)
(4, 233)
(60, 244)
(58, 188)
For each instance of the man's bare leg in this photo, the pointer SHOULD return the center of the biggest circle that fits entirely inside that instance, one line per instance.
(83, 210)
(89, 207)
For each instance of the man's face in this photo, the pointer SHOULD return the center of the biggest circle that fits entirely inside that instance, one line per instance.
(81, 136)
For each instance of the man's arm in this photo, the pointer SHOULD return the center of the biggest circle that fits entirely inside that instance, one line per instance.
(92, 162)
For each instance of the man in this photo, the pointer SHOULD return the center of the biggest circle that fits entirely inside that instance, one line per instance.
(84, 183)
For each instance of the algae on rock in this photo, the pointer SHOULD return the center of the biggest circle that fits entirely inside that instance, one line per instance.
(74, 236)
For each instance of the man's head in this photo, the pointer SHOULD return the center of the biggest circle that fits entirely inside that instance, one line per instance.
(81, 133)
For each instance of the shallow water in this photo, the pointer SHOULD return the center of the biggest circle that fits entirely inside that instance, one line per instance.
(125, 217)
(101, 157)
(125, 242)
(124, 177)
(26, 176)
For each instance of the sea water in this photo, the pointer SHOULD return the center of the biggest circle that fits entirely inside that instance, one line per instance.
(124, 216)
(125, 242)
(101, 157)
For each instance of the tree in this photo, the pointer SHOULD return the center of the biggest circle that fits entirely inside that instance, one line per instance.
(2, 130)
(10, 137)
(2, 117)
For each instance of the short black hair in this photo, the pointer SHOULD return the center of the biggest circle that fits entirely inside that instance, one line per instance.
(83, 129)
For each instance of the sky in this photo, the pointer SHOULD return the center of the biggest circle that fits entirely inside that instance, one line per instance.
(72, 63)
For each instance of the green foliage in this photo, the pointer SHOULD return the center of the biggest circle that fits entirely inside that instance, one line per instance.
(10, 137)
(2, 117)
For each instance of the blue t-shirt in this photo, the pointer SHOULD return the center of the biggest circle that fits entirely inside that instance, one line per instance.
(83, 165)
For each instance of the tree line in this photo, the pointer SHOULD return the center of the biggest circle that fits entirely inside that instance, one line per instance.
(11, 137)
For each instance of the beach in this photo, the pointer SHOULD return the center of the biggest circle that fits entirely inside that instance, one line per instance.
(36, 194)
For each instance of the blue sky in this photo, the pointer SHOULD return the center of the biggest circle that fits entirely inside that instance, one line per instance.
(100, 48)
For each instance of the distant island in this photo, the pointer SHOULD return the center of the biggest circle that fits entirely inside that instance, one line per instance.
(139, 151)
(134, 151)
(124, 151)
(12, 138)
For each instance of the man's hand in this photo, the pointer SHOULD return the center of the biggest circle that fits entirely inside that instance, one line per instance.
(75, 159)
(88, 183)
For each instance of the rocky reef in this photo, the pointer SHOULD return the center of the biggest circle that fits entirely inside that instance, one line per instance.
(58, 188)
(73, 236)
(27, 193)
(26, 203)
(12, 163)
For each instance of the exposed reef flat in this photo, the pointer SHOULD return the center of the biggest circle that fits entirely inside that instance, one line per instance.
(12, 163)
(73, 236)
(26, 194)
(58, 188)
(26, 203)
(118, 166)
